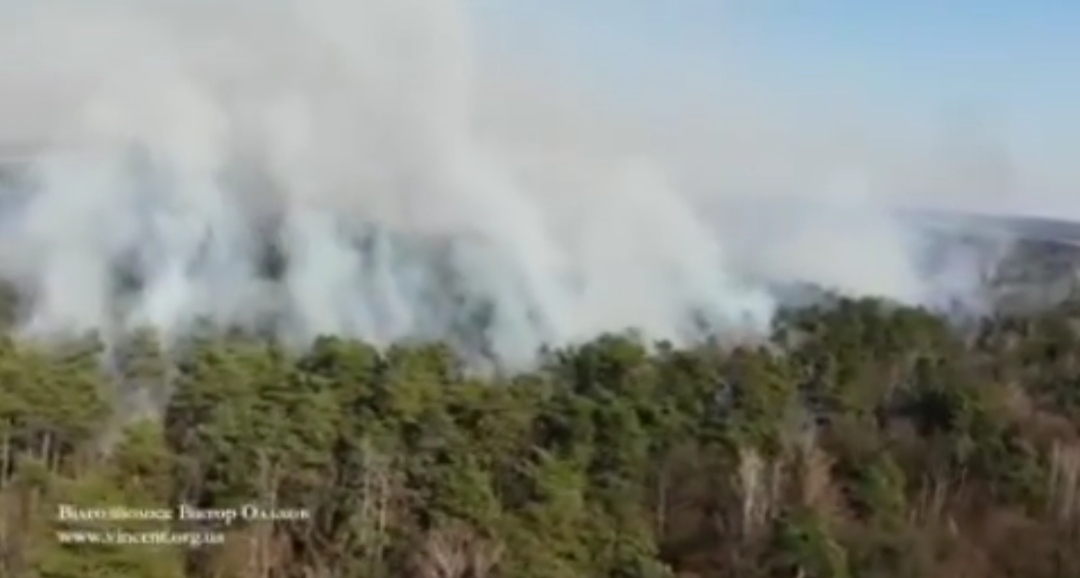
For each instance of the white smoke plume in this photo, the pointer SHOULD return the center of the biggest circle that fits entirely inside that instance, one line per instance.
(349, 167)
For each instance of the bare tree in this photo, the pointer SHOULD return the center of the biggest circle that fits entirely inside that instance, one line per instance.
(456, 551)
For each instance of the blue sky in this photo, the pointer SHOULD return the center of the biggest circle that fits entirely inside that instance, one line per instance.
(1017, 61)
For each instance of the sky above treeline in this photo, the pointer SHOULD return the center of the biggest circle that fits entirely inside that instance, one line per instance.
(1008, 53)
(1004, 70)
(937, 96)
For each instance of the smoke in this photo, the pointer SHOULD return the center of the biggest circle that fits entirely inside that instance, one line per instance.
(350, 167)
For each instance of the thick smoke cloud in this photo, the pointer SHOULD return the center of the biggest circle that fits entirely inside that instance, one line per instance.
(349, 167)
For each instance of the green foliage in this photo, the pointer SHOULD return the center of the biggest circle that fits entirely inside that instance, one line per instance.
(804, 546)
(863, 439)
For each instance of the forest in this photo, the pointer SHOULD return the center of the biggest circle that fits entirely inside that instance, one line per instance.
(862, 439)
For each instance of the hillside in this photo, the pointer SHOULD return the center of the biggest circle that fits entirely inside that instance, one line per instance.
(864, 440)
